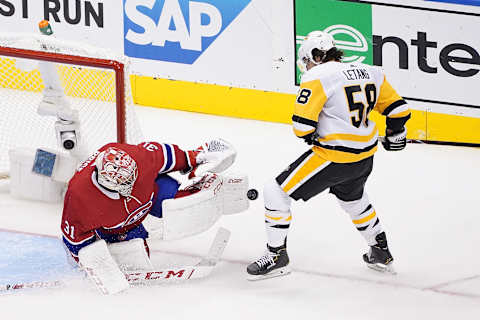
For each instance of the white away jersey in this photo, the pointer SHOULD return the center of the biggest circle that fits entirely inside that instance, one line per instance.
(335, 100)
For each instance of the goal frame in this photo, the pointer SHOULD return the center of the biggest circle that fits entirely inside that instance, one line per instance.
(116, 66)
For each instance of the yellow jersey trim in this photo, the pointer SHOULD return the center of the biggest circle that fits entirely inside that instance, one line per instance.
(307, 168)
(349, 137)
(341, 156)
(311, 106)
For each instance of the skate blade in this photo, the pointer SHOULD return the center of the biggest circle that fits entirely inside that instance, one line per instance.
(382, 268)
(280, 272)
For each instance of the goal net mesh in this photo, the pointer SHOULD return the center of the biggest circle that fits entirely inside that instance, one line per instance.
(90, 90)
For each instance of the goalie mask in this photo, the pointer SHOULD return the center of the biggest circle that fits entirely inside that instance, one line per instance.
(319, 40)
(116, 170)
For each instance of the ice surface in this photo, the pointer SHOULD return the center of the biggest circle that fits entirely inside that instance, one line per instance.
(425, 196)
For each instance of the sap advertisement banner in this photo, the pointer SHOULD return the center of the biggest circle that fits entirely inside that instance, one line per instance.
(176, 31)
(208, 41)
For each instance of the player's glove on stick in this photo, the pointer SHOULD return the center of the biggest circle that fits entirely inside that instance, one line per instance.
(395, 141)
(310, 138)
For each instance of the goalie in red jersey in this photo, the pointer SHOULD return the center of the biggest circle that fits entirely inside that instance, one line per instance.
(114, 190)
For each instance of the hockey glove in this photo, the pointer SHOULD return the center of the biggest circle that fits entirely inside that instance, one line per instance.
(215, 156)
(395, 141)
(310, 138)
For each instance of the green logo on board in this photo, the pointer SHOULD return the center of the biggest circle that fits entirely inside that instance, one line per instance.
(350, 24)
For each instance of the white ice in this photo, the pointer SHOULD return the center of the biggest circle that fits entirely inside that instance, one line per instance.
(425, 196)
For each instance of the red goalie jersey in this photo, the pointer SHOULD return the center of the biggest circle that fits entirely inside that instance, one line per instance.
(93, 211)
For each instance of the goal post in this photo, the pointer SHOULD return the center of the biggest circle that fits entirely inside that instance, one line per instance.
(82, 61)
(94, 82)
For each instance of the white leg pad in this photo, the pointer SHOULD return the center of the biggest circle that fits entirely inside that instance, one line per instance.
(235, 188)
(154, 226)
(190, 215)
(97, 261)
(130, 255)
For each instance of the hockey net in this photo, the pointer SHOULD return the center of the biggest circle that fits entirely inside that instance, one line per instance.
(94, 81)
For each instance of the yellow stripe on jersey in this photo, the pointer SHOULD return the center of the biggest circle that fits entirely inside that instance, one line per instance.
(341, 156)
(387, 96)
(310, 100)
(365, 219)
(349, 137)
(306, 169)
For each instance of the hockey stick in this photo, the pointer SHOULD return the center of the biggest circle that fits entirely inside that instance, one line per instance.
(200, 270)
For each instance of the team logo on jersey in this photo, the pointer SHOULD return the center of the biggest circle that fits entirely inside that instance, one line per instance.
(176, 30)
(139, 213)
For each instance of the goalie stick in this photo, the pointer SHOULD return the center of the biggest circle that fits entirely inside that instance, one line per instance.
(175, 274)
(30, 285)
(200, 270)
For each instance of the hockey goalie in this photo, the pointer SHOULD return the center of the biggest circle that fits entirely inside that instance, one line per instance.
(123, 194)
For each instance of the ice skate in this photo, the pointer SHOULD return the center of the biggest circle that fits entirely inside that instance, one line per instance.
(274, 263)
(379, 258)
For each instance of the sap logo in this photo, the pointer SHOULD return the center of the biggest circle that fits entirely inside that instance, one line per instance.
(176, 30)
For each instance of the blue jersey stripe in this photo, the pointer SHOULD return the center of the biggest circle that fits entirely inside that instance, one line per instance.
(169, 158)
(74, 248)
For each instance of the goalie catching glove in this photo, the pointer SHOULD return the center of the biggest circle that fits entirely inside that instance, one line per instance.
(395, 141)
(214, 156)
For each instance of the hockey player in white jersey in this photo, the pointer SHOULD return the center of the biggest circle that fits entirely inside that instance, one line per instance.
(331, 114)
